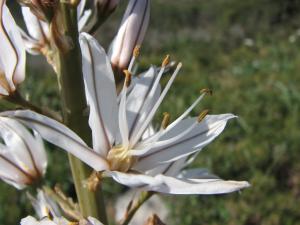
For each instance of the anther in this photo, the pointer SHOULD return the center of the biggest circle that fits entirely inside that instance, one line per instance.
(136, 51)
(166, 61)
(202, 115)
(127, 77)
(166, 120)
(206, 91)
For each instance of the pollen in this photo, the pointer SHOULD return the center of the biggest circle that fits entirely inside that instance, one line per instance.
(206, 91)
(166, 61)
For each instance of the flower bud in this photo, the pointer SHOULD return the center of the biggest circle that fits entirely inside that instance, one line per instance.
(23, 158)
(131, 33)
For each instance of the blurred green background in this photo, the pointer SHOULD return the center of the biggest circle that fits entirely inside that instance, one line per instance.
(248, 53)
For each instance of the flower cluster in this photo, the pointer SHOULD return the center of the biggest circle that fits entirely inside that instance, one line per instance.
(126, 146)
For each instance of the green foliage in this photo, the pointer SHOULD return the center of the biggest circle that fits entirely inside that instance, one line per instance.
(247, 52)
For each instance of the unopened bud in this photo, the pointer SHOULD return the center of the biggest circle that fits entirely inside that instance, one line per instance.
(206, 91)
(131, 33)
(166, 61)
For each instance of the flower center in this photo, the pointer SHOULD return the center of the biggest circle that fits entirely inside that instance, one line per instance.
(119, 159)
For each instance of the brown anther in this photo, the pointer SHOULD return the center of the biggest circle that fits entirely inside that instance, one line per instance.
(206, 91)
(127, 77)
(166, 120)
(93, 181)
(202, 115)
(166, 61)
(136, 51)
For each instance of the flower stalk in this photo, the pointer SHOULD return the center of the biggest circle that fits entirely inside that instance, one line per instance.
(144, 196)
(74, 112)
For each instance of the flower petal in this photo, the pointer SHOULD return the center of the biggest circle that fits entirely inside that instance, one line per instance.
(59, 135)
(33, 24)
(171, 185)
(101, 94)
(12, 49)
(136, 106)
(199, 137)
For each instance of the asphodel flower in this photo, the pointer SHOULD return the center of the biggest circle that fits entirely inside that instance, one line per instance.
(122, 146)
(12, 53)
(38, 37)
(131, 33)
(23, 159)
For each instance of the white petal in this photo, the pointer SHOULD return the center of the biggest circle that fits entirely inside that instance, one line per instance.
(33, 24)
(171, 185)
(19, 145)
(59, 135)
(12, 174)
(12, 48)
(84, 19)
(29, 220)
(101, 94)
(138, 96)
(194, 141)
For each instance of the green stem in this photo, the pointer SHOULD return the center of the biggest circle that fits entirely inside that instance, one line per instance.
(134, 208)
(75, 115)
(16, 98)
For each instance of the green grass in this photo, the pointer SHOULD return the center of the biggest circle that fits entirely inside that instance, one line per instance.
(259, 83)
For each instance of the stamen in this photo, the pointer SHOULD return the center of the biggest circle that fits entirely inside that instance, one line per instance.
(166, 61)
(202, 115)
(166, 120)
(136, 51)
(127, 78)
(206, 91)
(135, 54)
(136, 136)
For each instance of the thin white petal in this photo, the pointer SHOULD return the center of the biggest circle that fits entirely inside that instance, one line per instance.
(137, 98)
(101, 94)
(171, 185)
(59, 135)
(194, 141)
(33, 24)
(84, 19)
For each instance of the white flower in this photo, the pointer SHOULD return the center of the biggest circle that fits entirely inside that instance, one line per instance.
(29, 220)
(38, 38)
(131, 33)
(23, 158)
(12, 53)
(120, 148)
